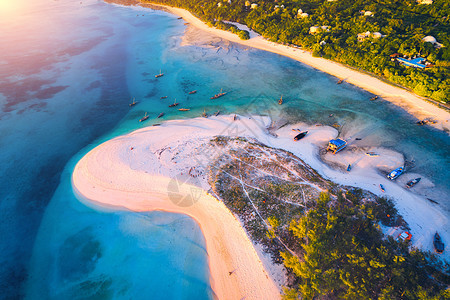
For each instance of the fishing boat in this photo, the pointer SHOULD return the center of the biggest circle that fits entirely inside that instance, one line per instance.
(300, 135)
(133, 103)
(217, 113)
(159, 75)
(382, 188)
(204, 115)
(163, 97)
(422, 122)
(395, 173)
(349, 167)
(372, 154)
(438, 244)
(281, 100)
(218, 95)
(413, 182)
(235, 118)
(192, 92)
(145, 117)
(175, 103)
(374, 98)
(184, 109)
(358, 139)
(340, 81)
(160, 115)
(156, 124)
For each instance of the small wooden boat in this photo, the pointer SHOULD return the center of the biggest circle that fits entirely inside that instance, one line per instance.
(349, 167)
(175, 103)
(340, 81)
(235, 118)
(160, 115)
(336, 125)
(300, 135)
(281, 100)
(374, 98)
(204, 115)
(413, 182)
(438, 244)
(184, 109)
(423, 122)
(395, 173)
(145, 117)
(156, 124)
(372, 154)
(192, 92)
(159, 75)
(382, 188)
(133, 103)
(218, 95)
(180, 18)
(163, 97)
(186, 23)
(358, 139)
(217, 113)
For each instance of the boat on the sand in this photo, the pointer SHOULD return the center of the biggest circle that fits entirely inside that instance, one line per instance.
(438, 244)
(382, 188)
(413, 182)
(395, 173)
(217, 113)
(300, 135)
(349, 167)
(145, 117)
(372, 154)
(204, 115)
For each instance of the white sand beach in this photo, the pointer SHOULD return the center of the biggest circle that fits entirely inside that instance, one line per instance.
(137, 172)
(410, 102)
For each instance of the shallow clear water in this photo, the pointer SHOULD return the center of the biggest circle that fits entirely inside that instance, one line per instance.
(67, 73)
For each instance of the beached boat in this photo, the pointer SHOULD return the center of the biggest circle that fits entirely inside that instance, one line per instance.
(340, 81)
(300, 135)
(192, 92)
(145, 117)
(217, 113)
(204, 115)
(281, 100)
(235, 118)
(374, 98)
(156, 124)
(336, 145)
(184, 109)
(218, 95)
(163, 97)
(349, 167)
(413, 182)
(160, 115)
(133, 103)
(372, 154)
(395, 173)
(438, 244)
(175, 103)
(358, 139)
(160, 74)
(382, 188)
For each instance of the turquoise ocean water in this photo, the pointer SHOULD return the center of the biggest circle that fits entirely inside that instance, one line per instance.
(68, 71)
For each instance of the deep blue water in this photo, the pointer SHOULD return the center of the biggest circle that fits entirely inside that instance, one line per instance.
(67, 73)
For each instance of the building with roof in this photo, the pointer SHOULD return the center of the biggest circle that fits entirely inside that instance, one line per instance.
(415, 63)
(336, 145)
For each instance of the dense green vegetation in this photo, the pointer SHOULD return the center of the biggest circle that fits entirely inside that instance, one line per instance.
(403, 22)
(345, 256)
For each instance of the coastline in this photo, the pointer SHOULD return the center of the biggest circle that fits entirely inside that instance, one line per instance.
(411, 103)
(140, 179)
